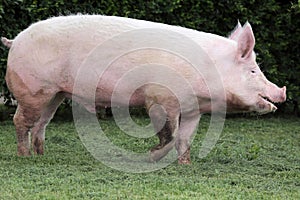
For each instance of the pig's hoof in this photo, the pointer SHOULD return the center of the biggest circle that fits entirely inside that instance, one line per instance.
(184, 161)
(38, 147)
(23, 152)
(39, 151)
(154, 156)
(157, 155)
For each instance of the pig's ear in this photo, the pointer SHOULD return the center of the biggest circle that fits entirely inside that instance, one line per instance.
(246, 42)
(236, 32)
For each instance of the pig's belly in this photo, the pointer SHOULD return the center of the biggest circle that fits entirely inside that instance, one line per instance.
(136, 99)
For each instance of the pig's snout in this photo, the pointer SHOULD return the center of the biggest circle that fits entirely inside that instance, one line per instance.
(277, 95)
(281, 97)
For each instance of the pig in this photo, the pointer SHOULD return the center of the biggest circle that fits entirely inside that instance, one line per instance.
(44, 58)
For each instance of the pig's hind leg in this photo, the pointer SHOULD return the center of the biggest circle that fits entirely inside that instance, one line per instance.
(35, 107)
(24, 119)
(28, 113)
(32, 115)
(29, 110)
(38, 130)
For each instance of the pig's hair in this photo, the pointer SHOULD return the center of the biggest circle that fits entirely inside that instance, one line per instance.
(6, 42)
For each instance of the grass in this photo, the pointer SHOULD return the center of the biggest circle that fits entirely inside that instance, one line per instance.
(255, 158)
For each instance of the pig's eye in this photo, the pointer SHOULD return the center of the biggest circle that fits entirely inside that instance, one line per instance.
(253, 71)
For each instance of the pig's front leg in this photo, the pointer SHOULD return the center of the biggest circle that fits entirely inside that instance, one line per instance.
(164, 110)
(185, 133)
(166, 125)
(166, 139)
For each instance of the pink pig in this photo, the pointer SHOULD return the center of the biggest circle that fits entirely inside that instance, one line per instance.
(44, 59)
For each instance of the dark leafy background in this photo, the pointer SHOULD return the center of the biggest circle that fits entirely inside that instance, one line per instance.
(276, 25)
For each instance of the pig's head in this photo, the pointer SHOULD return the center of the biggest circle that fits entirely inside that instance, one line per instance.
(247, 89)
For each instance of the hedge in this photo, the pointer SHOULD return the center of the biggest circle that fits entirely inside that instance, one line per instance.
(276, 25)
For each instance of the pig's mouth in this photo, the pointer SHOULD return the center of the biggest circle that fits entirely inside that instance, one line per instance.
(266, 105)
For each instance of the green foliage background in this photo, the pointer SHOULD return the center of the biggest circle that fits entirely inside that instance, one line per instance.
(276, 25)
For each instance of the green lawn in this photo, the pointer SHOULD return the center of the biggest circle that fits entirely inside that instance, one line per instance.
(255, 158)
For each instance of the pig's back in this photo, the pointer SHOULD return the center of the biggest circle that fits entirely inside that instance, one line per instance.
(81, 30)
(54, 49)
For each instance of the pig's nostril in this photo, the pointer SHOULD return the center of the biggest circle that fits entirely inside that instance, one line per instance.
(284, 93)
